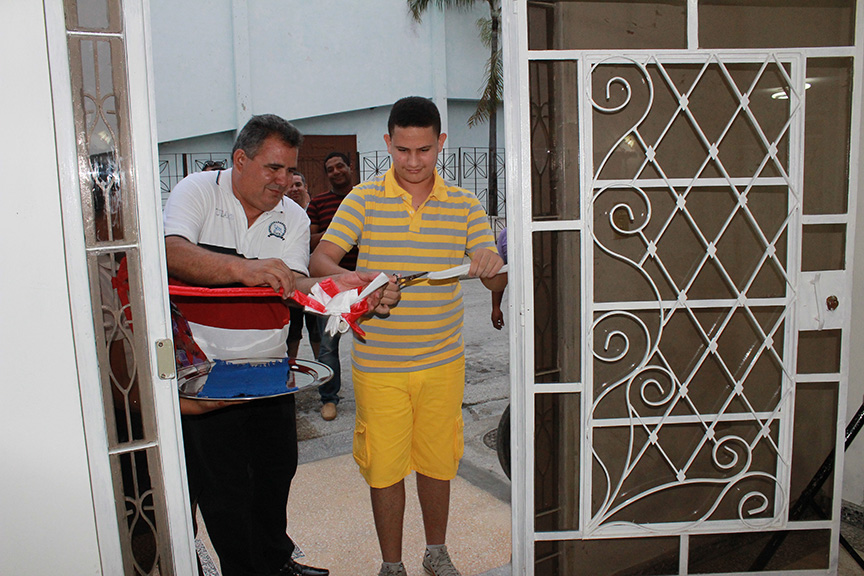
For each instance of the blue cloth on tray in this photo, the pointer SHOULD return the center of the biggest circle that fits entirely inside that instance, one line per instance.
(231, 380)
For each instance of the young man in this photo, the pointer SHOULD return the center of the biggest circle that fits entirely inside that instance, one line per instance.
(322, 208)
(409, 372)
(236, 227)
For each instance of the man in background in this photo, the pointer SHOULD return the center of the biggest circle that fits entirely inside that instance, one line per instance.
(299, 193)
(322, 208)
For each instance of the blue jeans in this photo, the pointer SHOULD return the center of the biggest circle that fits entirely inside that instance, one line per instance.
(329, 355)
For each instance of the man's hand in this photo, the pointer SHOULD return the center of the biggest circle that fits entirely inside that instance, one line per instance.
(379, 301)
(485, 265)
(272, 272)
(497, 314)
(189, 407)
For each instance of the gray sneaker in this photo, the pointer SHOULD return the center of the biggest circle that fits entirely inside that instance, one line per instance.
(386, 571)
(439, 564)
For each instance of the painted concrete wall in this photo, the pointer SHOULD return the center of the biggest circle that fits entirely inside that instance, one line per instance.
(46, 504)
(194, 83)
(304, 60)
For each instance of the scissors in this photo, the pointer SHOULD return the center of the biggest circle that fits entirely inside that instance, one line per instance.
(403, 280)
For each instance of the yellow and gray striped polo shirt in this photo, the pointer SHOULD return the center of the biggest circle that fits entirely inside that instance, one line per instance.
(425, 329)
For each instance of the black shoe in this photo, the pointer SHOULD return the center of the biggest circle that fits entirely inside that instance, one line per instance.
(292, 568)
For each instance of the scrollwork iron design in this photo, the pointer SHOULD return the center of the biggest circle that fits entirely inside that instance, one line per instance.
(666, 440)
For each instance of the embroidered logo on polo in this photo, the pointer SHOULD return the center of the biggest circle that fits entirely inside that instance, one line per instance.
(277, 229)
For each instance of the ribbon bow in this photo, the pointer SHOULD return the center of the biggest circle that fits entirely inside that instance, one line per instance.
(343, 308)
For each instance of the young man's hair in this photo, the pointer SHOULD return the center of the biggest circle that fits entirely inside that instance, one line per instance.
(344, 158)
(416, 112)
(261, 127)
(302, 177)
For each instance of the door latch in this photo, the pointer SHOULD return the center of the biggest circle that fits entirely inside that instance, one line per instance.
(165, 359)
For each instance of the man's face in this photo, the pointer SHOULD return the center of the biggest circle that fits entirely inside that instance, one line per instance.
(338, 173)
(414, 152)
(260, 182)
(298, 192)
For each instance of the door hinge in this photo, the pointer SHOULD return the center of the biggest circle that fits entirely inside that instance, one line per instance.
(165, 359)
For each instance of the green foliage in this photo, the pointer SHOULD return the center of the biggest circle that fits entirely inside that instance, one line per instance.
(418, 7)
(489, 30)
(493, 82)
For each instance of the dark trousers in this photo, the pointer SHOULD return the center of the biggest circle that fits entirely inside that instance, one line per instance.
(240, 461)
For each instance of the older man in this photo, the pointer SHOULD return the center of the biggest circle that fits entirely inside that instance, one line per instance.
(236, 227)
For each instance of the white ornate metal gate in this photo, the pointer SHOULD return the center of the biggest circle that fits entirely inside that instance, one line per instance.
(683, 257)
(680, 237)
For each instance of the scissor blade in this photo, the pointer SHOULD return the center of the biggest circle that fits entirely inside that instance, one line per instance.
(405, 279)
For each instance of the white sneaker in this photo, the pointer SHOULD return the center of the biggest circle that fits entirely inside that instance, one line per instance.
(439, 564)
(386, 571)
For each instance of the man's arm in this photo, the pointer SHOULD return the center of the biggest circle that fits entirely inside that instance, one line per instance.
(196, 265)
(497, 314)
(315, 235)
(485, 264)
(325, 259)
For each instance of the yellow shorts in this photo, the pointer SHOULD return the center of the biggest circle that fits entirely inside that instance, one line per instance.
(409, 421)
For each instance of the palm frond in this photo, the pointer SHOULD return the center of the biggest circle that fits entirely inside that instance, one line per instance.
(493, 91)
(419, 7)
(484, 29)
(489, 32)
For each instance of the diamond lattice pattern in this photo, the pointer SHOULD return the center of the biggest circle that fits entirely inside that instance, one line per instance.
(695, 203)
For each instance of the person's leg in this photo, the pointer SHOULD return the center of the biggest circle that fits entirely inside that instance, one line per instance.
(437, 447)
(434, 496)
(329, 355)
(382, 450)
(314, 333)
(293, 348)
(272, 465)
(217, 446)
(388, 509)
(295, 331)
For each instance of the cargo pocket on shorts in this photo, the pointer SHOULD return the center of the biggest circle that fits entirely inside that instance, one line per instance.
(361, 445)
(459, 439)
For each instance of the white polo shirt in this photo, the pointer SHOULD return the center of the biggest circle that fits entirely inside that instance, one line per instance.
(203, 209)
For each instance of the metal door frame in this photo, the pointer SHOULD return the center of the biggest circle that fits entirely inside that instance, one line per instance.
(521, 227)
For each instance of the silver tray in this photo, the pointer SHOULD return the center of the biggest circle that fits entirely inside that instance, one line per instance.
(307, 374)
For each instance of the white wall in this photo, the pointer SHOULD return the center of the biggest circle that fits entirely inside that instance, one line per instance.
(220, 142)
(46, 505)
(305, 60)
(194, 70)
